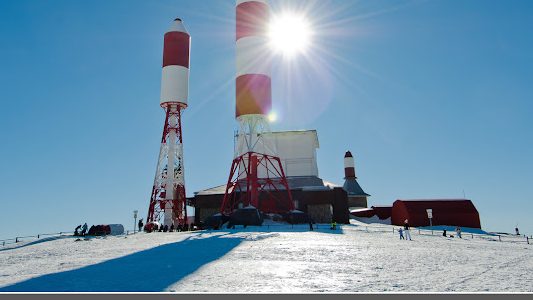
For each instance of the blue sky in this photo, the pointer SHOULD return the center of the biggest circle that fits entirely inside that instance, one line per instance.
(433, 98)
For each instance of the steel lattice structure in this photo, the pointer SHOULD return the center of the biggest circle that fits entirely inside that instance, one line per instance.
(256, 176)
(269, 193)
(170, 202)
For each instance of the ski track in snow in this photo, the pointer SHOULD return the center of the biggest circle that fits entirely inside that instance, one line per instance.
(257, 259)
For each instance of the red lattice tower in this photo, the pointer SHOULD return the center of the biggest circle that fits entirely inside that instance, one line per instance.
(256, 176)
(269, 191)
(169, 204)
(168, 201)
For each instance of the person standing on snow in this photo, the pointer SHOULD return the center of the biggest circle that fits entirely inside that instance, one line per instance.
(458, 231)
(84, 229)
(517, 231)
(406, 229)
(76, 233)
(140, 224)
(401, 233)
(334, 225)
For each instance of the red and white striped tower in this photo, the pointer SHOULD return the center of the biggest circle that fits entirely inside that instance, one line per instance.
(253, 85)
(349, 165)
(168, 200)
(255, 168)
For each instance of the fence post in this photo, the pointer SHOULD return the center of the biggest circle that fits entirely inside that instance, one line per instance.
(499, 238)
(16, 240)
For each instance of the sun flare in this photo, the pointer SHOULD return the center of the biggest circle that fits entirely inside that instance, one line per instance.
(272, 117)
(290, 34)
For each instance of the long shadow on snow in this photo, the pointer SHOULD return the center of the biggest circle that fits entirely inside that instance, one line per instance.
(149, 270)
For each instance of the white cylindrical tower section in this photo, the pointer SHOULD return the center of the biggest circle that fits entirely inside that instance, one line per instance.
(349, 165)
(176, 57)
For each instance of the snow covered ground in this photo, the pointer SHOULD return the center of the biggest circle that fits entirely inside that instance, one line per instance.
(270, 259)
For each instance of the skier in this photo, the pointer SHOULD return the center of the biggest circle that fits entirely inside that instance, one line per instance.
(444, 233)
(84, 229)
(401, 233)
(406, 229)
(310, 225)
(140, 224)
(458, 231)
(171, 228)
(517, 231)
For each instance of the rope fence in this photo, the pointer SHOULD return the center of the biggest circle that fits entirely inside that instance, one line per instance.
(28, 238)
(305, 227)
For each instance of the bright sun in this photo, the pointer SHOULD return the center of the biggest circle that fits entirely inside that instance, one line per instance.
(272, 117)
(290, 34)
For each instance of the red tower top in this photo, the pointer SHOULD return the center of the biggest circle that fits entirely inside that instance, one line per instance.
(176, 57)
(349, 165)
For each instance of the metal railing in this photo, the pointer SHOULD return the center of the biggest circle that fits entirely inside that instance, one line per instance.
(465, 235)
(28, 238)
(490, 236)
(426, 232)
(367, 228)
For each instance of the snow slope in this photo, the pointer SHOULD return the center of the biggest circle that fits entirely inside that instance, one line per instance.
(270, 259)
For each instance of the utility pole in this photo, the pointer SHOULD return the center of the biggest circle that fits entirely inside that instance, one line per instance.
(134, 220)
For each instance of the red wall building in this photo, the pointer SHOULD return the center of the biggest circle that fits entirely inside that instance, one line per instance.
(383, 212)
(454, 212)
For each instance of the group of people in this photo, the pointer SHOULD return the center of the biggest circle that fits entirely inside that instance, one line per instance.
(83, 231)
(457, 231)
(406, 230)
(155, 227)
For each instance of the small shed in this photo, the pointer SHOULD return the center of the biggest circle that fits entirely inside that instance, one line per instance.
(454, 212)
